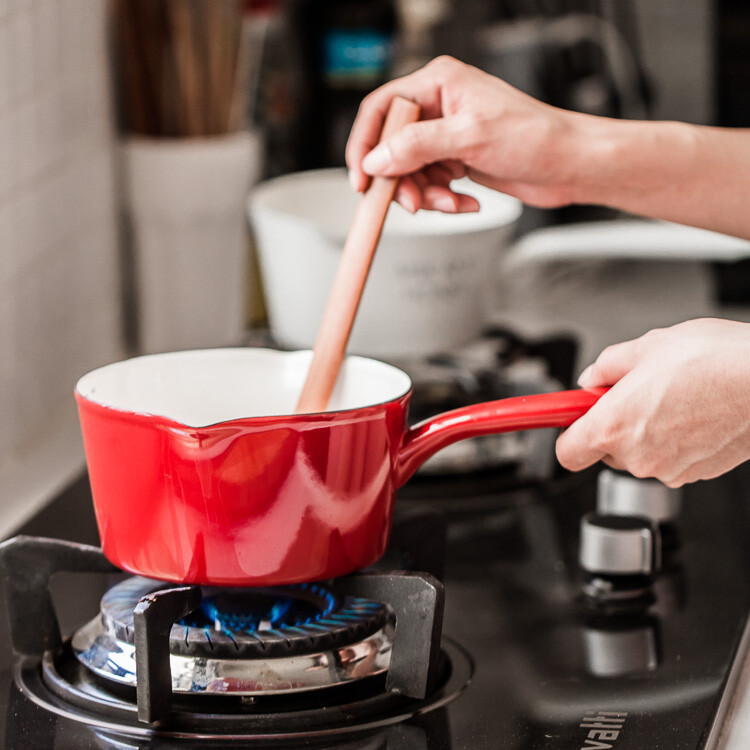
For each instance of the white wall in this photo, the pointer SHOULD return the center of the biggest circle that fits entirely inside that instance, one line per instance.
(59, 290)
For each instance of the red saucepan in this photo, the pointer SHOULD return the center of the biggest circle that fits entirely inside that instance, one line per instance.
(201, 472)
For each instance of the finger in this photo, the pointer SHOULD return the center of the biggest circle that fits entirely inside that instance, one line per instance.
(444, 199)
(575, 447)
(365, 134)
(440, 198)
(409, 194)
(434, 181)
(467, 203)
(610, 366)
(439, 174)
(456, 167)
(613, 463)
(413, 147)
(421, 179)
(420, 87)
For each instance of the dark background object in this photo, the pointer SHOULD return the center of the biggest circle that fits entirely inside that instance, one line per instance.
(733, 110)
(733, 63)
(347, 49)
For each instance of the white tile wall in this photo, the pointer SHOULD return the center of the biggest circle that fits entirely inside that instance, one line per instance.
(59, 288)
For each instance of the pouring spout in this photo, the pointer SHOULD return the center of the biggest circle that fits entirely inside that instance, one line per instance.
(538, 411)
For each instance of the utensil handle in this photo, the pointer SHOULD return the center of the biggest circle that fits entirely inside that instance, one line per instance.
(558, 409)
(349, 283)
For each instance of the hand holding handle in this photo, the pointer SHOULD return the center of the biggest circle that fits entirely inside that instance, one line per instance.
(338, 319)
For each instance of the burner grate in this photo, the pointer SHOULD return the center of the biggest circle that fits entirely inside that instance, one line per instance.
(251, 623)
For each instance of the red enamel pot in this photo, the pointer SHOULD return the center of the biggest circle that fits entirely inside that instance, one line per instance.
(201, 472)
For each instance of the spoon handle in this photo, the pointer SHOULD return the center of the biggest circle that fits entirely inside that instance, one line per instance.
(349, 283)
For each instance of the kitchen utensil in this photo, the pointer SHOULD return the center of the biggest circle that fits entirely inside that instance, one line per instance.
(190, 244)
(180, 66)
(202, 473)
(338, 319)
(431, 282)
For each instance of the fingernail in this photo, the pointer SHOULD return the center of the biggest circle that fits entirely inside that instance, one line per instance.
(377, 160)
(444, 203)
(584, 376)
(353, 181)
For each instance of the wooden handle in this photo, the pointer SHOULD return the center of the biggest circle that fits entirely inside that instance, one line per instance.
(349, 283)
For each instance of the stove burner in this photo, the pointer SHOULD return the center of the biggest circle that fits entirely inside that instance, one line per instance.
(246, 641)
(285, 620)
(259, 610)
(223, 612)
(66, 688)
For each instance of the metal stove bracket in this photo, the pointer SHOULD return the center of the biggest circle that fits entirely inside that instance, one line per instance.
(417, 600)
(27, 563)
(153, 618)
(420, 536)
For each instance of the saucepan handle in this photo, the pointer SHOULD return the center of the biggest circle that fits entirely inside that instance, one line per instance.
(558, 409)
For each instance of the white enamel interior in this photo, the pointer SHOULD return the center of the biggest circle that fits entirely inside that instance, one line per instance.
(324, 198)
(208, 386)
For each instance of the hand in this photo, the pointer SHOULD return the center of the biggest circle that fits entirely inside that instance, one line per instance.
(678, 409)
(472, 124)
(475, 124)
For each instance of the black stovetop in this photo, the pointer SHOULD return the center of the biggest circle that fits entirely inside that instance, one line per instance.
(513, 602)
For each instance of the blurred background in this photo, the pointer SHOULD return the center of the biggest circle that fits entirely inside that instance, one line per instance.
(132, 131)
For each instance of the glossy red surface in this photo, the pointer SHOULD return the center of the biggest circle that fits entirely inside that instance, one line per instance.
(249, 502)
(272, 500)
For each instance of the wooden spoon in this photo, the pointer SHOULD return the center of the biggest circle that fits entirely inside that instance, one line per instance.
(349, 283)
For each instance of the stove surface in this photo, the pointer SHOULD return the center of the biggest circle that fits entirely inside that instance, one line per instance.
(550, 673)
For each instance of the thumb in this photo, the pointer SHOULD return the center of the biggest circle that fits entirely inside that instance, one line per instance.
(610, 366)
(413, 147)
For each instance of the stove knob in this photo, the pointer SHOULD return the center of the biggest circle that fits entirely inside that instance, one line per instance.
(619, 545)
(621, 494)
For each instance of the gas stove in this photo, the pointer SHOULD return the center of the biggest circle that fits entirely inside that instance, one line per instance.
(287, 663)
(546, 615)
